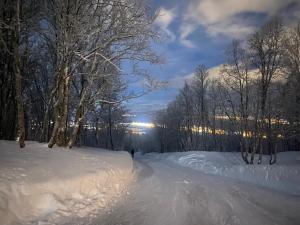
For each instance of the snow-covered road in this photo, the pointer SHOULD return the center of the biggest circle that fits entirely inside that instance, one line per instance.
(169, 194)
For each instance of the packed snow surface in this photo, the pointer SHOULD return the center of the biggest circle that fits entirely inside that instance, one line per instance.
(191, 188)
(48, 186)
(168, 193)
(282, 176)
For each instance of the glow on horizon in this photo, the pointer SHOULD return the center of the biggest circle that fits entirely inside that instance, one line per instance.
(141, 124)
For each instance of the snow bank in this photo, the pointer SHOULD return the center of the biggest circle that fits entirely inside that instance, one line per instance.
(46, 185)
(283, 176)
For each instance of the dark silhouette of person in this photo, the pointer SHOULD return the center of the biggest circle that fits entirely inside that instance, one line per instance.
(132, 153)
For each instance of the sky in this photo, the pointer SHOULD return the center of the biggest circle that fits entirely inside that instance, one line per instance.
(197, 32)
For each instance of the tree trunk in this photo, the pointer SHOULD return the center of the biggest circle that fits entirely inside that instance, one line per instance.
(75, 132)
(97, 132)
(56, 126)
(57, 113)
(59, 133)
(31, 127)
(274, 160)
(78, 123)
(110, 129)
(45, 130)
(62, 130)
(247, 149)
(264, 93)
(21, 124)
(78, 117)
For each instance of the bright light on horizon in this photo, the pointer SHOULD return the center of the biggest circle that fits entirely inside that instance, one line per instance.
(142, 124)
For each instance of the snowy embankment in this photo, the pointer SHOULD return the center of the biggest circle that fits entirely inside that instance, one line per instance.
(51, 185)
(283, 176)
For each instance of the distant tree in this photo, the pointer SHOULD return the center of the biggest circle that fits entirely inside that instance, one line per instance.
(199, 87)
(90, 39)
(161, 129)
(213, 106)
(17, 72)
(185, 100)
(15, 18)
(252, 106)
(266, 54)
(8, 109)
(236, 77)
(290, 91)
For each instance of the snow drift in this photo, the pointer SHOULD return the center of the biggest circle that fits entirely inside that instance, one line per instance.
(46, 185)
(283, 176)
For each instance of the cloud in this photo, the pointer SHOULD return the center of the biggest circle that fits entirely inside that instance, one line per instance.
(232, 28)
(215, 11)
(146, 108)
(164, 20)
(178, 81)
(187, 43)
(185, 31)
(215, 73)
(225, 17)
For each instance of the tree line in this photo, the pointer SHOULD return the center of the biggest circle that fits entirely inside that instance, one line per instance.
(251, 106)
(60, 64)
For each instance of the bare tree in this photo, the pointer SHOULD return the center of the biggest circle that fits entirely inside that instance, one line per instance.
(290, 90)
(213, 105)
(90, 38)
(21, 123)
(185, 100)
(199, 87)
(161, 128)
(266, 53)
(8, 109)
(10, 39)
(235, 75)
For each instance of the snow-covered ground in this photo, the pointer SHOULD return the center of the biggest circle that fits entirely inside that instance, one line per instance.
(168, 193)
(50, 186)
(88, 187)
(283, 176)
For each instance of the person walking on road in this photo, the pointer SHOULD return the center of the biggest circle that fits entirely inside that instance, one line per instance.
(132, 153)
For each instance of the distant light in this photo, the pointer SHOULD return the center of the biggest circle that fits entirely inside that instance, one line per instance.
(144, 125)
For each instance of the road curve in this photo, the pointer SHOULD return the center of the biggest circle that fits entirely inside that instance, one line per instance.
(168, 194)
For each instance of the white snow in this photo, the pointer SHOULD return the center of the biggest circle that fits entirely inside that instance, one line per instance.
(46, 186)
(283, 176)
(168, 193)
(83, 186)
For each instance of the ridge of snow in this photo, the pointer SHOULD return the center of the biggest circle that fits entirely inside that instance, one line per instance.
(38, 184)
(283, 176)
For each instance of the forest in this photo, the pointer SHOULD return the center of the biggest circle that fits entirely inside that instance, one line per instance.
(62, 82)
(61, 78)
(251, 105)
(149, 112)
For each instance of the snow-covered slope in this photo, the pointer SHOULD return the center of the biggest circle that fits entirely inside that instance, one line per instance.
(283, 176)
(50, 185)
